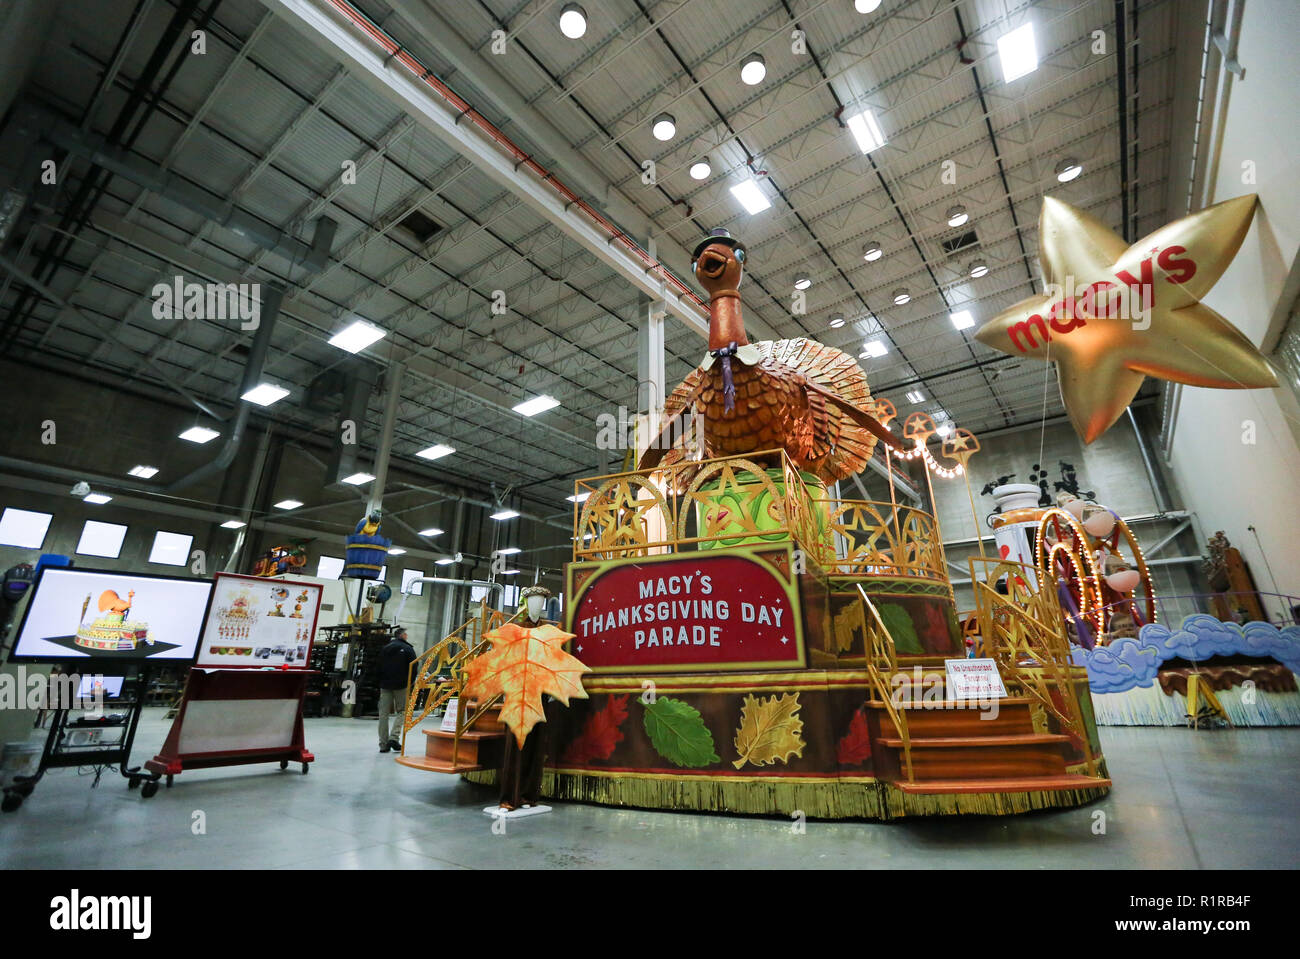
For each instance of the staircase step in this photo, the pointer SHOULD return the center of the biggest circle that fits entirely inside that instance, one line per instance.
(951, 719)
(954, 705)
(469, 734)
(437, 765)
(977, 742)
(1023, 784)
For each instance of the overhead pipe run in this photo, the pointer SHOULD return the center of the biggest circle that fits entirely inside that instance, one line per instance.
(274, 296)
(384, 63)
(312, 256)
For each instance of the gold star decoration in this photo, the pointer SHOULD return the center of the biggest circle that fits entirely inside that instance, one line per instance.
(1114, 313)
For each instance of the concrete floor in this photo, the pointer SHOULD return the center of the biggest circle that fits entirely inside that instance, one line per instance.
(1182, 800)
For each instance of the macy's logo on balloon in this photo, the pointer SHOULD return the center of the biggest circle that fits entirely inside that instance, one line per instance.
(1130, 299)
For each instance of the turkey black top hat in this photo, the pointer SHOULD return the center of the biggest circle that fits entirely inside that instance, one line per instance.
(716, 236)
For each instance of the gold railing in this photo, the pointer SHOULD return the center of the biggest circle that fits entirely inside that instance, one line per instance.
(1023, 630)
(695, 503)
(880, 655)
(885, 539)
(441, 671)
(730, 500)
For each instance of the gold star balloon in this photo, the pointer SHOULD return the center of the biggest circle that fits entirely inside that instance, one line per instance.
(1114, 313)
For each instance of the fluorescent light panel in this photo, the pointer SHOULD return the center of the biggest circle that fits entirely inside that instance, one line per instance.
(1018, 52)
(509, 551)
(199, 434)
(232, 524)
(356, 336)
(504, 514)
(431, 531)
(144, 472)
(436, 451)
(875, 348)
(264, 394)
(445, 561)
(962, 319)
(866, 131)
(357, 479)
(751, 197)
(98, 499)
(538, 404)
(915, 396)
(578, 497)
(288, 504)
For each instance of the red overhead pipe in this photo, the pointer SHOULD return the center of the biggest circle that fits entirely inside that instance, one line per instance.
(397, 53)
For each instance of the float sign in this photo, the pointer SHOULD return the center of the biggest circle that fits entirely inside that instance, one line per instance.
(974, 679)
(732, 611)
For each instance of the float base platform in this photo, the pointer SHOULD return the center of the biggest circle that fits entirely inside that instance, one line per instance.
(810, 742)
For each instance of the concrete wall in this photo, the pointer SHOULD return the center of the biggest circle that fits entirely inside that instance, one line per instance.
(1230, 482)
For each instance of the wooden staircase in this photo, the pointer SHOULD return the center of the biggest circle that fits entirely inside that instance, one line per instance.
(480, 746)
(954, 750)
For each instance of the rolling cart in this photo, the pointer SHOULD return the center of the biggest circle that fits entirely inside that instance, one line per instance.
(76, 739)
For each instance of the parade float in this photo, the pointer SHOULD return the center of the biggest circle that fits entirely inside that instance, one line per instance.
(748, 642)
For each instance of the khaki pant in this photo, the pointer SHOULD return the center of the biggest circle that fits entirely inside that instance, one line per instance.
(391, 701)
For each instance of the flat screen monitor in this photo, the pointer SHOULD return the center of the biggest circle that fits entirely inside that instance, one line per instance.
(91, 686)
(76, 614)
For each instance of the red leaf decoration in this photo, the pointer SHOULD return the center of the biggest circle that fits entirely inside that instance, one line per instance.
(855, 747)
(600, 734)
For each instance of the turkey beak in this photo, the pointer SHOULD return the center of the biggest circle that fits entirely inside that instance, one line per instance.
(711, 264)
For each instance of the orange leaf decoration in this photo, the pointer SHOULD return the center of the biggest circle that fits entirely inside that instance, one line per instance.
(601, 733)
(522, 666)
(855, 748)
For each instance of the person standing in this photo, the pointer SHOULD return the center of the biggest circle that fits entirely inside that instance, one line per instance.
(394, 668)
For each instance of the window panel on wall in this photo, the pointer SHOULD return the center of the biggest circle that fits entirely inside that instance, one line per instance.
(410, 574)
(23, 527)
(329, 567)
(170, 549)
(101, 539)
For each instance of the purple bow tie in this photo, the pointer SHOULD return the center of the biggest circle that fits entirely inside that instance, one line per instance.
(728, 387)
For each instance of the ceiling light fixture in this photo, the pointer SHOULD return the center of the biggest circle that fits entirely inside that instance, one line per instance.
(802, 281)
(395, 551)
(357, 479)
(508, 551)
(264, 394)
(874, 349)
(578, 497)
(866, 131)
(866, 6)
(915, 396)
(944, 429)
(510, 572)
(96, 499)
(901, 296)
(753, 70)
(957, 215)
(751, 197)
(1018, 52)
(445, 561)
(962, 319)
(233, 524)
(504, 514)
(431, 531)
(573, 21)
(538, 404)
(436, 451)
(1068, 169)
(871, 251)
(700, 169)
(837, 321)
(144, 472)
(978, 268)
(356, 336)
(664, 126)
(288, 504)
(199, 434)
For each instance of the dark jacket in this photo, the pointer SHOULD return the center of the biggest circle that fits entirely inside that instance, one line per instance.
(394, 659)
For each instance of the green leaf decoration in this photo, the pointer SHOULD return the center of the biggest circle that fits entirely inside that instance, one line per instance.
(678, 733)
(899, 623)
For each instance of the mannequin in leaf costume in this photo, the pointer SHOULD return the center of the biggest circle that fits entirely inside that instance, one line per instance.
(527, 663)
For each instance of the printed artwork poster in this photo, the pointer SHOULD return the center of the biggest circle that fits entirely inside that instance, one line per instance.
(254, 621)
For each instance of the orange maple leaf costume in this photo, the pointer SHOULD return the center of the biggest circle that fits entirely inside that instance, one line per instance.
(524, 664)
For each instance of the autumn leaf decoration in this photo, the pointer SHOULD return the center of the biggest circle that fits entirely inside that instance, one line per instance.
(855, 748)
(769, 730)
(678, 733)
(522, 666)
(600, 734)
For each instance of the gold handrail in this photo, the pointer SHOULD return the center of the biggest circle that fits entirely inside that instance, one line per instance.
(879, 649)
(1023, 630)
